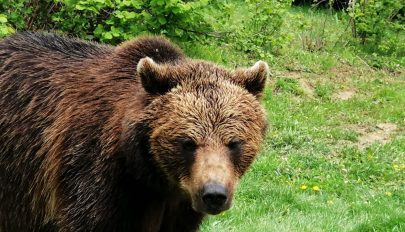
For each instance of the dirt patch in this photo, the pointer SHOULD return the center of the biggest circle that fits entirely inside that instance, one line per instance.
(293, 74)
(344, 95)
(370, 134)
(307, 87)
(343, 72)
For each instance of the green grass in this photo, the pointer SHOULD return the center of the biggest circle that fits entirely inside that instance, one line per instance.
(316, 138)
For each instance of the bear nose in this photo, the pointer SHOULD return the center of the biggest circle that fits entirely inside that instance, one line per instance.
(214, 196)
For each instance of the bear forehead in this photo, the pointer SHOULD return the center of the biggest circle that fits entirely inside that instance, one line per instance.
(211, 94)
(196, 70)
(209, 108)
(200, 68)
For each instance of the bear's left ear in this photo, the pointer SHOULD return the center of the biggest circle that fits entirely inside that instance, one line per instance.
(253, 79)
(155, 78)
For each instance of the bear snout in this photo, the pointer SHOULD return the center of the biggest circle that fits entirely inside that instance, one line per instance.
(215, 196)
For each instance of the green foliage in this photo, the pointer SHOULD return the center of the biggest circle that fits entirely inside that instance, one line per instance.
(5, 28)
(379, 24)
(114, 21)
(110, 21)
(255, 27)
(12, 15)
(258, 29)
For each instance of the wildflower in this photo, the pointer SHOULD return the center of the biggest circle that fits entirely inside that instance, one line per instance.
(388, 193)
(303, 187)
(316, 188)
(330, 202)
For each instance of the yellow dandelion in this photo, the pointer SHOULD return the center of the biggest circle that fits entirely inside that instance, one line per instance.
(316, 188)
(303, 187)
(395, 166)
(388, 193)
(330, 202)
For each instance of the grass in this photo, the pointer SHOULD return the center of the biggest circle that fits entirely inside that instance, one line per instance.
(326, 164)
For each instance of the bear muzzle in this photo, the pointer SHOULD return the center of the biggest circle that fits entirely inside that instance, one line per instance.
(213, 198)
(212, 181)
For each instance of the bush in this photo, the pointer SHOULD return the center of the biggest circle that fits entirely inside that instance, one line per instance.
(379, 25)
(110, 21)
(255, 28)
(5, 28)
(113, 21)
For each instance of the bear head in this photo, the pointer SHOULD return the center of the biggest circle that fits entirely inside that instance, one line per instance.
(205, 126)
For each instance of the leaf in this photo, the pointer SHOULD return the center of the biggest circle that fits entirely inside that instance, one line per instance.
(3, 18)
(162, 20)
(119, 14)
(178, 31)
(107, 35)
(80, 7)
(160, 2)
(99, 29)
(130, 15)
(115, 31)
(137, 4)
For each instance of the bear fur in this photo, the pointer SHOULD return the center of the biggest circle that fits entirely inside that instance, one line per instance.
(102, 138)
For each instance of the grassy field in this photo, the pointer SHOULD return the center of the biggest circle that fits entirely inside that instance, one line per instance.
(334, 156)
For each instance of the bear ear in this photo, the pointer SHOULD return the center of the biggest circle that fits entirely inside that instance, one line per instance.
(254, 78)
(155, 78)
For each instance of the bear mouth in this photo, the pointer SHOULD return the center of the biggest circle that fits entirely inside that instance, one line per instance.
(201, 208)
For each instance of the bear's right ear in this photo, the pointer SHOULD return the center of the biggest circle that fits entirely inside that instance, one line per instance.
(253, 79)
(155, 78)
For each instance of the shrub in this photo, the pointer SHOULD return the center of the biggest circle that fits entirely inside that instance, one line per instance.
(106, 20)
(259, 33)
(5, 28)
(113, 21)
(378, 24)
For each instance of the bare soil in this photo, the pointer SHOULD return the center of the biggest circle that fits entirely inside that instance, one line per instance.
(344, 95)
(381, 133)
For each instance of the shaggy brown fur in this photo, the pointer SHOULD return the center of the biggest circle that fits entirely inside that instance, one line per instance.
(100, 138)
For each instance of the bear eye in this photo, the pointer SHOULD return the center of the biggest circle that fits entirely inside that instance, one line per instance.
(188, 145)
(234, 144)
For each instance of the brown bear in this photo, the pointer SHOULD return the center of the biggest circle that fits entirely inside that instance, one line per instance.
(136, 137)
